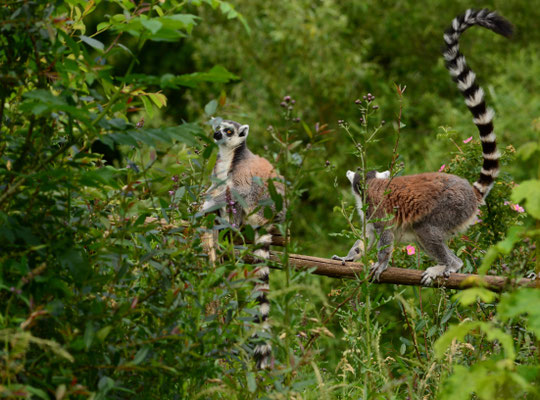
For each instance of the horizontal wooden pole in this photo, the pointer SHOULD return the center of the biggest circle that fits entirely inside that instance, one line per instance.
(399, 276)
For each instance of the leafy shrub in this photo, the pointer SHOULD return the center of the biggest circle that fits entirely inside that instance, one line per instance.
(106, 290)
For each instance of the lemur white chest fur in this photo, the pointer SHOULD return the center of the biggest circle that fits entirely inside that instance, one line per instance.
(223, 163)
(431, 207)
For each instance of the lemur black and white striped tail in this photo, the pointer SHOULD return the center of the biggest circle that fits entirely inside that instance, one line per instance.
(263, 349)
(474, 94)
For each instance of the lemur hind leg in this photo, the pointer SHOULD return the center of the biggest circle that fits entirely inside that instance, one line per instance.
(432, 241)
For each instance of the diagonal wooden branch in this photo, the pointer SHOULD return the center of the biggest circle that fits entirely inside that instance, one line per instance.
(399, 276)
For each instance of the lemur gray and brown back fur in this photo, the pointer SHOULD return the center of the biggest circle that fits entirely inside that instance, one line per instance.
(431, 207)
(239, 172)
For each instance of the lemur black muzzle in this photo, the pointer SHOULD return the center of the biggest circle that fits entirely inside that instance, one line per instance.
(218, 135)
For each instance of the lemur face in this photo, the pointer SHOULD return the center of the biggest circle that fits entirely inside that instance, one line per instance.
(231, 134)
(356, 178)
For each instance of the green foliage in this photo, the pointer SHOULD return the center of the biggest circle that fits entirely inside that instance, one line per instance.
(470, 296)
(529, 192)
(487, 380)
(497, 377)
(106, 290)
(519, 302)
(458, 332)
(93, 296)
(327, 54)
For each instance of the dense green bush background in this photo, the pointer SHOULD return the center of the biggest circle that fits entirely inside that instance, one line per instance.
(98, 300)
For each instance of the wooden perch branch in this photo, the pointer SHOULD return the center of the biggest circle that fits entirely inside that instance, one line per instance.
(351, 270)
(399, 276)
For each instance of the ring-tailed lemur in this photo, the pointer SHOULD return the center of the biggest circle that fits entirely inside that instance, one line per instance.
(239, 172)
(431, 207)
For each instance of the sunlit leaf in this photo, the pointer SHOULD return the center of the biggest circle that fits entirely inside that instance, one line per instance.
(529, 192)
(153, 25)
(469, 296)
(523, 301)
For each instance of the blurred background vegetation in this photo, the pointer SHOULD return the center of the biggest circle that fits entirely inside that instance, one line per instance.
(326, 54)
(99, 302)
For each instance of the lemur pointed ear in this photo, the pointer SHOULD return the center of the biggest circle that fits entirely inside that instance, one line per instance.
(382, 175)
(350, 175)
(243, 130)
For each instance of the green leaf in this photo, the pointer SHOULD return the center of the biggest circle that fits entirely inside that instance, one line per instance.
(153, 25)
(117, 123)
(96, 44)
(37, 392)
(217, 74)
(169, 30)
(159, 99)
(486, 380)
(105, 384)
(148, 106)
(89, 334)
(76, 262)
(251, 383)
(180, 21)
(504, 338)
(249, 233)
(505, 246)
(528, 191)
(432, 331)
(469, 296)
(267, 212)
(45, 96)
(211, 108)
(276, 197)
(307, 129)
(141, 355)
(527, 150)
(98, 178)
(72, 44)
(103, 333)
(186, 133)
(215, 276)
(103, 25)
(458, 332)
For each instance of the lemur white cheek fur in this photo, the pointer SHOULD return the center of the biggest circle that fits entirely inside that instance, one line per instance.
(431, 207)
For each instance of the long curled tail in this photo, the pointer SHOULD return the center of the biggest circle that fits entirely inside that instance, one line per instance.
(474, 94)
(263, 349)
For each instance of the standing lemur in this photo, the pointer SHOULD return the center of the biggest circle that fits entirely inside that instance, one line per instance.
(430, 207)
(239, 172)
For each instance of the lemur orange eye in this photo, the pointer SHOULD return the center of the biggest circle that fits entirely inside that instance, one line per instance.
(229, 132)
